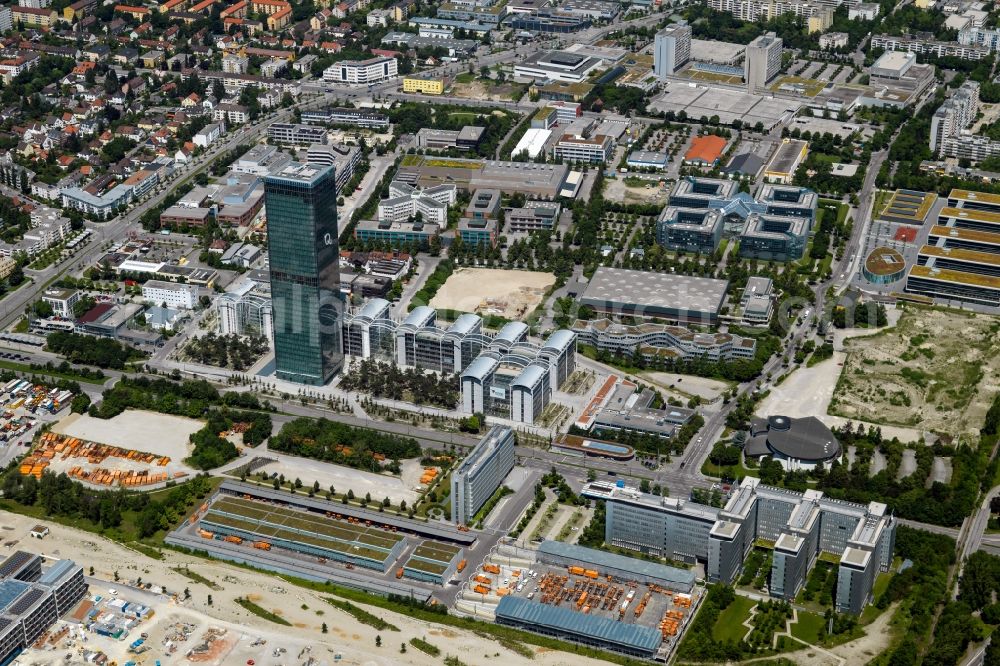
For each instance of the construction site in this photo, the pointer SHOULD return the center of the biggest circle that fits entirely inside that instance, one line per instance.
(584, 595)
(98, 464)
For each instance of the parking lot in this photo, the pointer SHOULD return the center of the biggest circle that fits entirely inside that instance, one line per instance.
(727, 103)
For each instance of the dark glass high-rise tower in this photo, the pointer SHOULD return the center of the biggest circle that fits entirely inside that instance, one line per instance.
(301, 202)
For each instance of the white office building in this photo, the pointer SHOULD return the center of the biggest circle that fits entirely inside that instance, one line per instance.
(361, 72)
(671, 49)
(482, 472)
(171, 294)
(529, 394)
(406, 201)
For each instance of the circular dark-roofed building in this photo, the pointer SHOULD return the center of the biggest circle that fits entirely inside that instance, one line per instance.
(795, 443)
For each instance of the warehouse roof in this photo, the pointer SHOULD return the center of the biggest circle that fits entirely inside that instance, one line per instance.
(563, 619)
(432, 530)
(603, 560)
(655, 290)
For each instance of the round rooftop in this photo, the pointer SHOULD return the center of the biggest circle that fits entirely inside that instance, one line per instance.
(884, 264)
(779, 422)
(806, 439)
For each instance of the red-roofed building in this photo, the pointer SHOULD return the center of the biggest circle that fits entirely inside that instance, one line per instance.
(705, 150)
(138, 13)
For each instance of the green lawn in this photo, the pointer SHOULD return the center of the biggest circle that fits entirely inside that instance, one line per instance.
(729, 626)
(465, 77)
(881, 201)
(71, 376)
(737, 471)
(808, 627)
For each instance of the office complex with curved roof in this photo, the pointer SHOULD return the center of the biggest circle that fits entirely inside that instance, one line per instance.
(795, 443)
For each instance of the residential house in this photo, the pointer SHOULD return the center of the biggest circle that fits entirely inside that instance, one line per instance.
(208, 135)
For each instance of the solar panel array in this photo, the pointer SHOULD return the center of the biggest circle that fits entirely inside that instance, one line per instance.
(14, 563)
(26, 601)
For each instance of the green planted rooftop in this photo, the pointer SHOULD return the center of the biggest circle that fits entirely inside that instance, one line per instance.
(439, 552)
(258, 515)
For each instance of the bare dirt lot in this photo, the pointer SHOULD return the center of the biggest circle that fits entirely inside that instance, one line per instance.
(305, 610)
(343, 478)
(936, 370)
(494, 92)
(509, 294)
(617, 190)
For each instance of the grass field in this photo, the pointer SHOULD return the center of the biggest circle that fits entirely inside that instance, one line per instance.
(808, 627)
(729, 626)
(882, 198)
(465, 77)
(934, 370)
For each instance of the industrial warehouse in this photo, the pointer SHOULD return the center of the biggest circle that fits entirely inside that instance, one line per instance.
(678, 298)
(321, 540)
(587, 596)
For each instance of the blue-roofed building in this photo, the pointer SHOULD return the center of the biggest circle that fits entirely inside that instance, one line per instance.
(10, 590)
(774, 225)
(481, 473)
(599, 632)
(557, 553)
